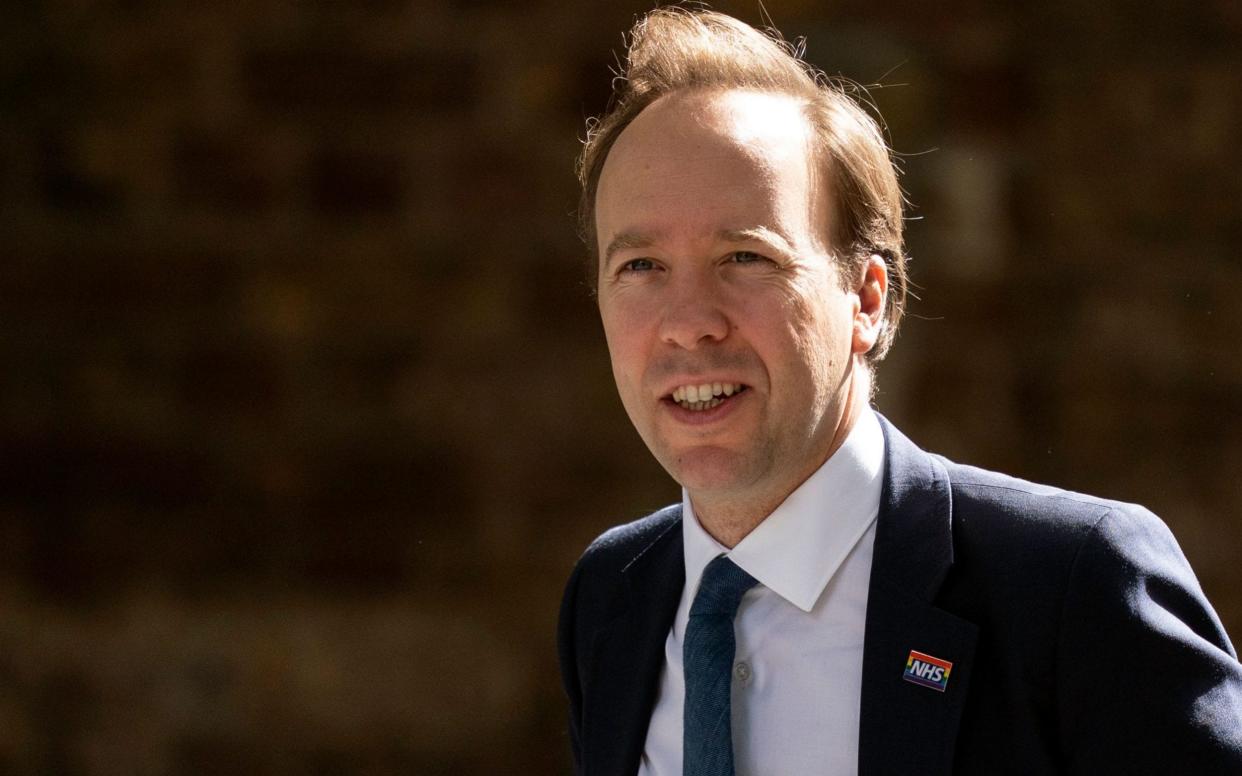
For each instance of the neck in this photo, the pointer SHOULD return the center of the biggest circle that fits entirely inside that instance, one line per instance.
(729, 517)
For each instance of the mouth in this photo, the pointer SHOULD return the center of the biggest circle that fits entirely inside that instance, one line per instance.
(705, 396)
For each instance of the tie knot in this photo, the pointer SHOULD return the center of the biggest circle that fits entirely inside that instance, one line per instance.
(721, 588)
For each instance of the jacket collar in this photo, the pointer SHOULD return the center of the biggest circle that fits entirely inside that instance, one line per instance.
(913, 554)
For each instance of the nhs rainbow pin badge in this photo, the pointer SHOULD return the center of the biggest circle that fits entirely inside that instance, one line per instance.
(927, 671)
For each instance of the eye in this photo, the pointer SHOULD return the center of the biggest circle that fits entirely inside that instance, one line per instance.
(637, 265)
(747, 257)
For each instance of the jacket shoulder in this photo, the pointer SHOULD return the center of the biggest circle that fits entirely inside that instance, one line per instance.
(989, 500)
(619, 546)
(1018, 540)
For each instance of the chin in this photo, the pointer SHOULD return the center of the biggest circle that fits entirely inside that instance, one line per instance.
(709, 468)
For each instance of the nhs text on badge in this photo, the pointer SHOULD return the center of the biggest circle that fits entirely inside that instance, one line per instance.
(927, 670)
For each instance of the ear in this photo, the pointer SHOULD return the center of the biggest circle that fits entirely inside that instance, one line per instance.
(872, 294)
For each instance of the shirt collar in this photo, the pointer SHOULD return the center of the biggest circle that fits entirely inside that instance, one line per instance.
(798, 548)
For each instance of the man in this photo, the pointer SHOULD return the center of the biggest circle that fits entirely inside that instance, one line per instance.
(828, 598)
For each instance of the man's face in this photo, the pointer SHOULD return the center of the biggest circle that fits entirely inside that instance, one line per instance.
(731, 336)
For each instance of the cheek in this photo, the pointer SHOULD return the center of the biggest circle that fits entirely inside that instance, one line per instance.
(818, 328)
(626, 347)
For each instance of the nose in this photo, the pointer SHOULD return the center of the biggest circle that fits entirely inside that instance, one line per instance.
(693, 316)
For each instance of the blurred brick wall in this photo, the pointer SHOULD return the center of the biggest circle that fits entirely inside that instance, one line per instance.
(306, 414)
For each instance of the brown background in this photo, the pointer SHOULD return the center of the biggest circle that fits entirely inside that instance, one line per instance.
(305, 412)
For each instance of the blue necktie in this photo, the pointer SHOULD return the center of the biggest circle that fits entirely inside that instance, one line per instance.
(707, 654)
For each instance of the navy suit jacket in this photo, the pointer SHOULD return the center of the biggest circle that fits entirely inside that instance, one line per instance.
(1079, 637)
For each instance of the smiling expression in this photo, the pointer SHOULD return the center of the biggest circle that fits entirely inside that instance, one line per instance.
(731, 334)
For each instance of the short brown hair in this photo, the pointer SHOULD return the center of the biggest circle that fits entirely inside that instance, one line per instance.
(678, 49)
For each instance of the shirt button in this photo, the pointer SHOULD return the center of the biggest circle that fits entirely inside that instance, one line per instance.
(742, 672)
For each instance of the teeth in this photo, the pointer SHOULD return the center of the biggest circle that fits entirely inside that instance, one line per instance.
(704, 396)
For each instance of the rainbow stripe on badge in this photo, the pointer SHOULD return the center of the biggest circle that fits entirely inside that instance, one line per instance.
(927, 671)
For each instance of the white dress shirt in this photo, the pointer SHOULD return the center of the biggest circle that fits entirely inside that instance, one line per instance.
(797, 670)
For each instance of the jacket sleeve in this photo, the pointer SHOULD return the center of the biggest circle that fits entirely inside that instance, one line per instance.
(1148, 681)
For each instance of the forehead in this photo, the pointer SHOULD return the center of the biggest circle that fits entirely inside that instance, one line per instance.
(716, 160)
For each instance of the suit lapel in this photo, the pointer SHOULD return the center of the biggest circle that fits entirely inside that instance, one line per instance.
(628, 655)
(907, 727)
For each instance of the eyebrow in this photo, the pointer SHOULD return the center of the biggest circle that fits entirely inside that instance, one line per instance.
(757, 234)
(628, 241)
(631, 240)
